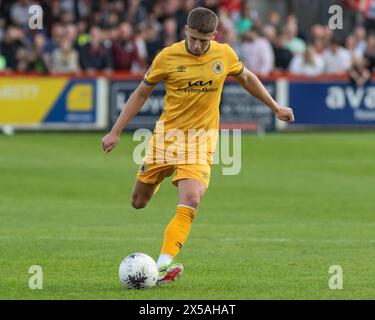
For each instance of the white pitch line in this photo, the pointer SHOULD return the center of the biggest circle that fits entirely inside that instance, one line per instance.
(227, 239)
(255, 239)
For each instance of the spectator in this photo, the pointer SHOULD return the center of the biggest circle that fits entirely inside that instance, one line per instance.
(248, 18)
(318, 38)
(283, 56)
(22, 59)
(232, 7)
(319, 45)
(57, 34)
(327, 35)
(171, 7)
(181, 16)
(124, 51)
(66, 17)
(39, 58)
(19, 12)
(292, 23)
(3, 62)
(257, 53)
(350, 45)
(270, 33)
(51, 12)
(71, 34)
(307, 64)
(360, 39)
(226, 23)
(370, 16)
(68, 6)
(110, 36)
(95, 56)
(12, 42)
(230, 37)
(370, 53)
(135, 13)
(274, 20)
(83, 37)
(2, 28)
(359, 74)
(210, 4)
(112, 21)
(154, 43)
(169, 31)
(140, 42)
(64, 58)
(292, 42)
(337, 59)
(316, 32)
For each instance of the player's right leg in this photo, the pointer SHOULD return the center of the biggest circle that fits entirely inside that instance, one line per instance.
(149, 177)
(142, 194)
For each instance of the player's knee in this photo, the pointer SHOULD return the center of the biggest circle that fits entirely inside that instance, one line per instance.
(138, 202)
(191, 200)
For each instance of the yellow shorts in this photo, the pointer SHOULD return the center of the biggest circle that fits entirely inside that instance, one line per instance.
(156, 173)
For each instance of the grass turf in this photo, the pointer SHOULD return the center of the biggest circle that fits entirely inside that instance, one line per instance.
(302, 203)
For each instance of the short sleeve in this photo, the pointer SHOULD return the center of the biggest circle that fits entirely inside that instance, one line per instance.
(234, 64)
(157, 71)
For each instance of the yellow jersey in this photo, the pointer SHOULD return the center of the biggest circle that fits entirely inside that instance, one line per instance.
(193, 87)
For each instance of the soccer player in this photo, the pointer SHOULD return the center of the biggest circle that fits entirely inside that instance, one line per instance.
(194, 71)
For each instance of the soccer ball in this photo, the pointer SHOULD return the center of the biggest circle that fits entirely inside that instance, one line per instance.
(138, 271)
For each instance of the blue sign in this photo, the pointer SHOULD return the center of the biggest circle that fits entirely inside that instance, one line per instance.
(239, 107)
(150, 112)
(332, 103)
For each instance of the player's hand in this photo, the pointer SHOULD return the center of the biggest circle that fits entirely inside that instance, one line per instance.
(110, 141)
(285, 114)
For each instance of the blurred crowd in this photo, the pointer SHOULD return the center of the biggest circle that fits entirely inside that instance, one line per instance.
(125, 35)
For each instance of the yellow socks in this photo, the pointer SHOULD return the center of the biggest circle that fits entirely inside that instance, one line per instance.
(177, 230)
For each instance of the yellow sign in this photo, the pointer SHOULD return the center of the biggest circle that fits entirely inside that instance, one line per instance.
(28, 100)
(80, 98)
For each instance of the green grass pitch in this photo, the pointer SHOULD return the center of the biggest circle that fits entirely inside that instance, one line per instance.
(302, 203)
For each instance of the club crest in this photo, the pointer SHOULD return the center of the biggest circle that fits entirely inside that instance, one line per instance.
(218, 67)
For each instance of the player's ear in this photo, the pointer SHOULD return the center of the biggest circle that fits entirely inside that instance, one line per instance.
(213, 35)
(186, 29)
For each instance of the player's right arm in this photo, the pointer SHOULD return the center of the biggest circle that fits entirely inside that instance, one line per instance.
(131, 108)
(155, 74)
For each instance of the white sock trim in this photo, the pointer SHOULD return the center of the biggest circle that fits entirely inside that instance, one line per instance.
(164, 259)
(186, 206)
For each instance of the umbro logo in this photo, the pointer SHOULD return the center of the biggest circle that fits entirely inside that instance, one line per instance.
(181, 69)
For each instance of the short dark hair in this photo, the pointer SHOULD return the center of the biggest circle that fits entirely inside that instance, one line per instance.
(202, 20)
(336, 40)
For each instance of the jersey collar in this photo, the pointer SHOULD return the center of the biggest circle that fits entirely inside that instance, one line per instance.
(189, 52)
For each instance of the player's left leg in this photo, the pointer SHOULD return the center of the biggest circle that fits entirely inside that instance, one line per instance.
(191, 192)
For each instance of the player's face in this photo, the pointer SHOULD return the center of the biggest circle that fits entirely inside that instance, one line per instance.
(198, 43)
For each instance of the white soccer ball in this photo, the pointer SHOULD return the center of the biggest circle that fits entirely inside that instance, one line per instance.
(138, 271)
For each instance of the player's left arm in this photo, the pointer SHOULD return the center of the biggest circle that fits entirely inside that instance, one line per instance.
(252, 84)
